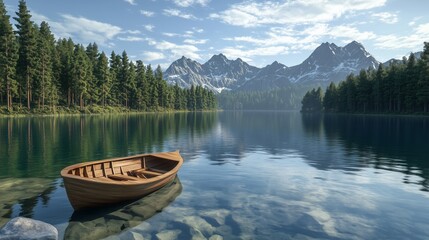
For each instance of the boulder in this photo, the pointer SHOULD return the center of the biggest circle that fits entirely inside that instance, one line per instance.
(25, 228)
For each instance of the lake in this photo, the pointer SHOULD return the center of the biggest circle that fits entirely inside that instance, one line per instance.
(246, 175)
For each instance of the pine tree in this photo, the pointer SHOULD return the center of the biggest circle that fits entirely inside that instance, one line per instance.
(26, 66)
(44, 85)
(65, 51)
(377, 88)
(8, 57)
(142, 87)
(423, 80)
(115, 66)
(161, 87)
(124, 75)
(330, 99)
(94, 90)
(131, 85)
(81, 74)
(153, 88)
(411, 84)
(103, 78)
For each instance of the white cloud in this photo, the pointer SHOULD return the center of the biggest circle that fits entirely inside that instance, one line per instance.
(187, 34)
(187, 3)
(304, 39)
(152, 56)
(175, 50)
(131, 39)
(178, 13)
(350, 33)
(194, 42)
(252, 14)
(168, 34)
(198, 30)
(132, 2)
(149, 27)
(408, 42)
(248, 54)
(147, 13)
(386, 17)
(133, 31)
(85, 30)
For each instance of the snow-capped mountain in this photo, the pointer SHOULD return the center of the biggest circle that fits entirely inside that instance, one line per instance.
(217, 74)
(327, 63)
(330, 63)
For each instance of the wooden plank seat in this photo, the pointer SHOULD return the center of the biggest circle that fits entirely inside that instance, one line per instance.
(145, 173)
(122, 177)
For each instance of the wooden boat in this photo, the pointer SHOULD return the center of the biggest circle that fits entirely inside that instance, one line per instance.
(104, 182)
(112, 220)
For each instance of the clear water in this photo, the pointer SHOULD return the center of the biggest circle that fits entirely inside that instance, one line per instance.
(247, 175)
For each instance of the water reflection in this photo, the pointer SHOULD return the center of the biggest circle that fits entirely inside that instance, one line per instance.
(394, 143)
(18, 197)
(42, 146)
(101, 223)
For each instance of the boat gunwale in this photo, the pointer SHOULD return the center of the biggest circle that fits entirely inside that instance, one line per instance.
(64, 172)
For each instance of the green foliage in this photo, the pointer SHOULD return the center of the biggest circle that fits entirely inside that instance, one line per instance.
(27, 58)
(8, 59)
(398, 88)
(312, 101)
(277, 99)
(64, 77)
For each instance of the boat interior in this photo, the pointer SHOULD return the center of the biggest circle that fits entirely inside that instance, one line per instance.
(132, 169)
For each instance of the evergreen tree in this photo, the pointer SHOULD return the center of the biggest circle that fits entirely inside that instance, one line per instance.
(179, 101)
(65, 50)
(312, 101)
(377, 88)
(26, 67)
(115, 66)
(44, 85)
(423, 82)
(8, 57)
(81, 75)
(142, 87)
(411, 84)
(364, 89)
(153, 88)
(161, 87)
(103, 77)
(330, 99)
(131, 85)
(124, 79)
(94, 90)
(191, 99)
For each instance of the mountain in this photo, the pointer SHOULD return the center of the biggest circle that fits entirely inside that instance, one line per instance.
(327, 63)
(417, 55)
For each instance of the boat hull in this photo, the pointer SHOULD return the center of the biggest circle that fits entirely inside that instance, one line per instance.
(97, 191)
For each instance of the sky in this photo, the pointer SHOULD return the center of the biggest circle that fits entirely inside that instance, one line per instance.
(259, 32)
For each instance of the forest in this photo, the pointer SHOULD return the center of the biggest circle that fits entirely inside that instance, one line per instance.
(401, 87)
(42, 74)
(287, 98)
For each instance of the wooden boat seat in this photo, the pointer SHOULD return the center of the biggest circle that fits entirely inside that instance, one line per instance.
(122, 177)
(156, 170)
(143, 171)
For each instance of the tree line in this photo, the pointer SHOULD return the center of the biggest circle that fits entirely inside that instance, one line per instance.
(401, 87)
(39, 72)
(286, 98)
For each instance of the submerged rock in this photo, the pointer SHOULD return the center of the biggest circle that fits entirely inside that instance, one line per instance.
(168, 234)
(13, 190)
(26, 228)
(216, 237)
(198, 223)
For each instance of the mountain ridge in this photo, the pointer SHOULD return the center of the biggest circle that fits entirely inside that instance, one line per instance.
(328, 62)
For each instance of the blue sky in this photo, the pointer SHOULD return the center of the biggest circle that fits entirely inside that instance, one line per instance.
(259, 32)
